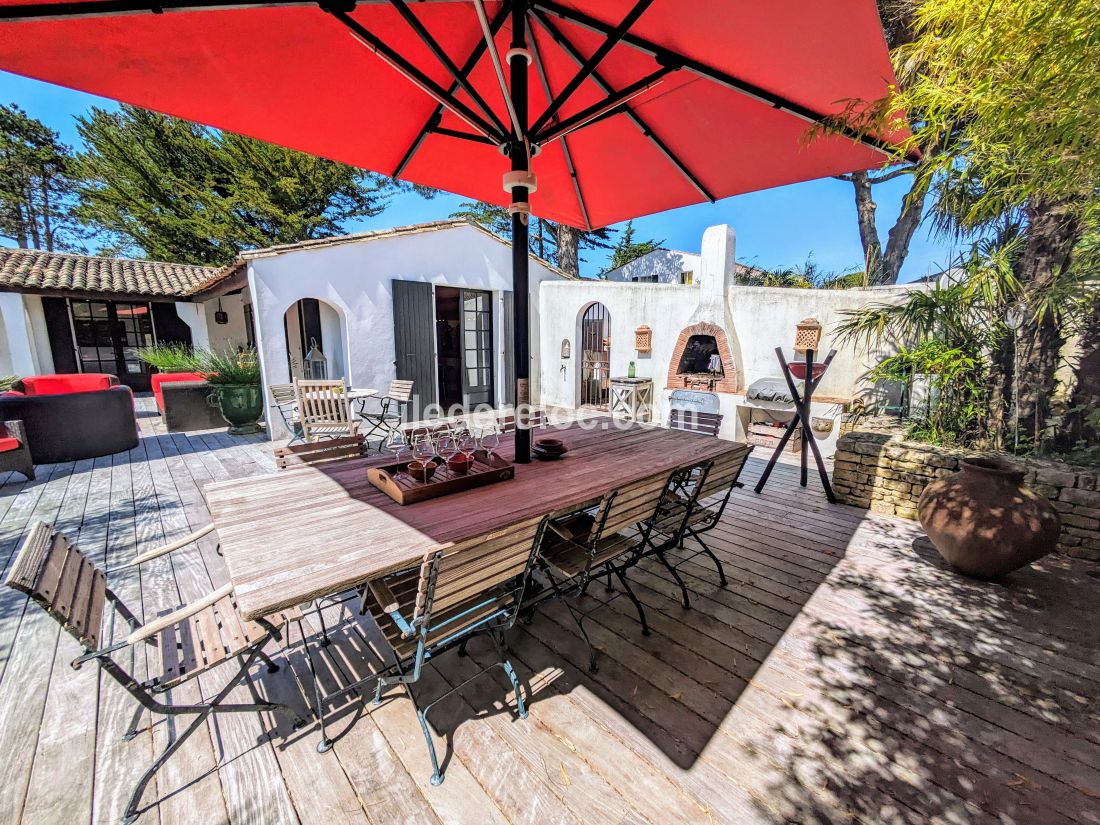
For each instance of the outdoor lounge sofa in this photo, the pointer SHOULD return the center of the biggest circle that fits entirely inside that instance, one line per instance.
(181, 399)
(69, 422)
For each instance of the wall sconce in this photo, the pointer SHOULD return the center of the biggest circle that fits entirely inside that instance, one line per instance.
(564, 349)
(807, 335)
(221, 316)
(643, 339)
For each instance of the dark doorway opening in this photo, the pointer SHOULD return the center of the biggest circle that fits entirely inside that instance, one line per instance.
(108, 334)
(595, 355)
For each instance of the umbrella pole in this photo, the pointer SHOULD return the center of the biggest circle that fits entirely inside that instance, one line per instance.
(517, 70)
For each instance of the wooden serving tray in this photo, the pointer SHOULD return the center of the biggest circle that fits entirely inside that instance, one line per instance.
(392, 479)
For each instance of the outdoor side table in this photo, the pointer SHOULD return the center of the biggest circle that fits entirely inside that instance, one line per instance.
(631, 398)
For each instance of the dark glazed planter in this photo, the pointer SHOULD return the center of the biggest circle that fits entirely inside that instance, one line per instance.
(984, 522)
(241, 406)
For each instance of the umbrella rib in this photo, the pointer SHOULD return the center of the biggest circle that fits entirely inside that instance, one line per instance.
(612, 37)
(458, 75)
(605, 108)
(433, 120)
(751, 90)
(483, 19)
(403, 67)
(541, 71)
(607, 88)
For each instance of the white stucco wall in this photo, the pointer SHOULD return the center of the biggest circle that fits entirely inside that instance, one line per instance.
(25, 349)
(761, 318)
(355, 280)
(232, 334)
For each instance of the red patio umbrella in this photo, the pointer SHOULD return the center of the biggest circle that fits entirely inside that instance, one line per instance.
(609, 109)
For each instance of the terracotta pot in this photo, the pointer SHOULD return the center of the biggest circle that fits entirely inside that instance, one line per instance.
(984, 522)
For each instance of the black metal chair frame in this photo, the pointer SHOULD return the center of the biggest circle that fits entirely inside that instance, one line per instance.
(383, 422)
(18, 460)
(568, 589)
(147, 698)
(691, 505)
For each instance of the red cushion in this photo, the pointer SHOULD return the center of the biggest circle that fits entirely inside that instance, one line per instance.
(7, 393)
(168, 378)
(69, 382)
(7, 444)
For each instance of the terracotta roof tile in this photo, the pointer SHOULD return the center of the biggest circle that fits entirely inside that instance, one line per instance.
(35, 269)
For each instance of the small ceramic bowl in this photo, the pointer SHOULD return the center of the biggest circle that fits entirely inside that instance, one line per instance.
(550, 445)
(798, 369)
(422, 471)
(459, 464)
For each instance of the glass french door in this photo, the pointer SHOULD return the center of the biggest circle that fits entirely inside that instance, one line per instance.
(108, 334)
(477, 346)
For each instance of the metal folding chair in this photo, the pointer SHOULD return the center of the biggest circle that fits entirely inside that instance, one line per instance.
(391, 410)
(284, 398)
(185, 643)
(694, 510)
(586, 545)
(324, 410)
(471, 588)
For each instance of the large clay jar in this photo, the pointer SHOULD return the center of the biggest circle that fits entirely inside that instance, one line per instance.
(984, 522)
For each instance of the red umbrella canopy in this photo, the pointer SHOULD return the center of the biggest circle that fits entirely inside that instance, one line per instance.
(635, 106)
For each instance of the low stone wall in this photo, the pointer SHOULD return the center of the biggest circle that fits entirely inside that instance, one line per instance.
(886, 474)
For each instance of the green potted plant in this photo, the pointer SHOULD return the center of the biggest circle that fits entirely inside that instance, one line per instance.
(234, 377)
(172, 357)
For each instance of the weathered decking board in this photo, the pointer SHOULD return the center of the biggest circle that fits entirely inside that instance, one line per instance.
(842, 676)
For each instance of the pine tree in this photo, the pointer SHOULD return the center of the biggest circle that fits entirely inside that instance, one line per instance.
(36, 186)
(627, 249)
(173, 190)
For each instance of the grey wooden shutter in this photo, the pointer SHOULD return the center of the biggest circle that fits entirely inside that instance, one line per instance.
(413, 312)
(509, 349)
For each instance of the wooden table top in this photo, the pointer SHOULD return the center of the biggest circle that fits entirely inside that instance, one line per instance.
(312, 531)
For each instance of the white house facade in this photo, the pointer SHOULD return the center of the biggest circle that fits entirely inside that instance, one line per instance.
(431, 303)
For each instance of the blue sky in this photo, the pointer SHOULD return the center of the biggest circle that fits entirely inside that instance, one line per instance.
(775, 228)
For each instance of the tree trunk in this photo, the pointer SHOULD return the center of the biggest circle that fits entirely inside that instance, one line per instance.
(1082, 426)
(568, 257)
(897, 244)
(1053, 229)
(868, 233)
(1001, 379)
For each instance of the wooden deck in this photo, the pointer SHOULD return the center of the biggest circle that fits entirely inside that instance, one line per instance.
(842, 676)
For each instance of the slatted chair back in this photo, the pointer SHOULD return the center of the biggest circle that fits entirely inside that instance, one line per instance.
(536, 420)
(724, 472)
(318, 452)
(54, 573)
(632, 504)
(400, 390)
(476, 567)
(282, 394)
(323, 408)
(695, 422)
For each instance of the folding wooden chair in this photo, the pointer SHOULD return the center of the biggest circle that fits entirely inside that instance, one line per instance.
(185, 643)
(580, 547)
(695, 422)
(324, 410)
(284, 398)
(536, 420)
(319, 452)
(391, 410)
(459, 591)
(697, 507)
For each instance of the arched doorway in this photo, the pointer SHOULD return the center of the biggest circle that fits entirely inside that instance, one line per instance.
(311, 322)
(595, 349)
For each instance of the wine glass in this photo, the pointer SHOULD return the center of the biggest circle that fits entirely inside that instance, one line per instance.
(490, 440)
(423, 448)
(468, 444)
(395, 442)
(448, 446)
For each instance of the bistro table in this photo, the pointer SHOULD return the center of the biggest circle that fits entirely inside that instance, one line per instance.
(314, 531)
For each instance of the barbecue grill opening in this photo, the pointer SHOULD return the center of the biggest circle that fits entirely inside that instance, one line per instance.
(700, 356)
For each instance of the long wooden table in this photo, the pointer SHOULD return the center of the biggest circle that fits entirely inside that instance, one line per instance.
(313, 531)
